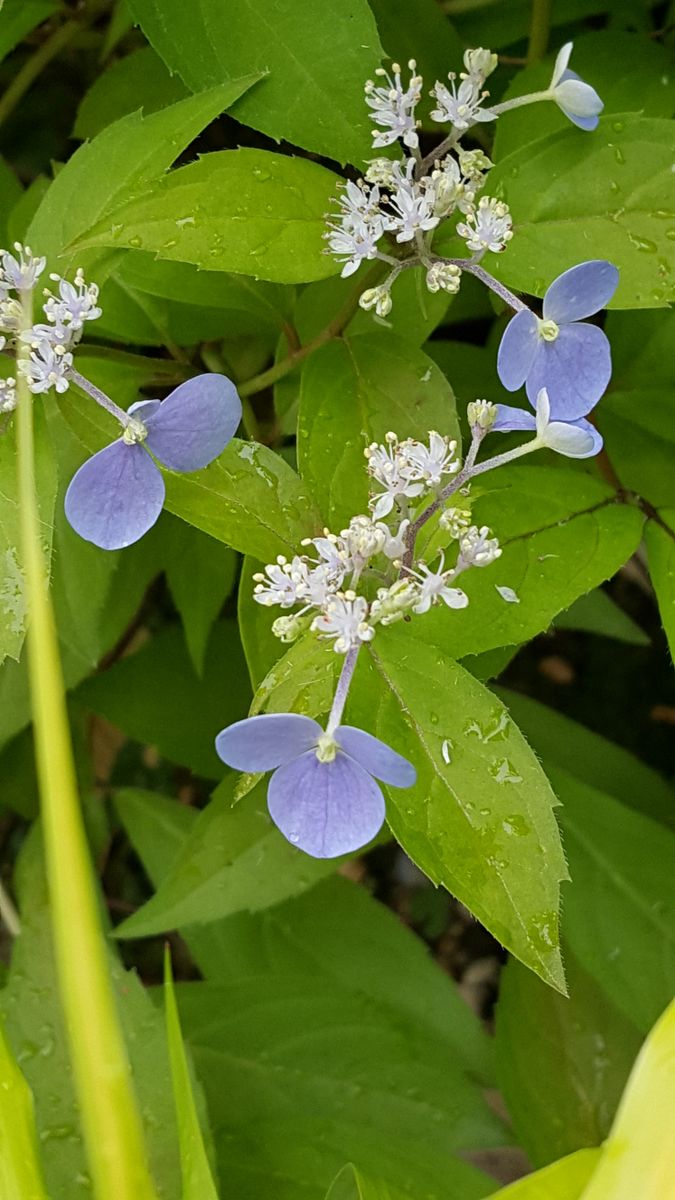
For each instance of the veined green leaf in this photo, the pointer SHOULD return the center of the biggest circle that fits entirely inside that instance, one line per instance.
(21, 1175)
(562, 1180)
(352, 1184)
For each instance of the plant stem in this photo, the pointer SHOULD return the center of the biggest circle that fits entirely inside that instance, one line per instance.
(258, 383)
(110, 1120)
(342, 689)
(474, 268)
(35, 65)
(100, 397)
(540, 24)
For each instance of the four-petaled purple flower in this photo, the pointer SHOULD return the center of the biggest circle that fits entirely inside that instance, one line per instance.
(117, 495)
(575, 98)
(572, 361)
(322, 795)
(574, 439)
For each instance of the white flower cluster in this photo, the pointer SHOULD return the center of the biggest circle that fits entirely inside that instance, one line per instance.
(51, 342)
(406, 200)
(370, 553)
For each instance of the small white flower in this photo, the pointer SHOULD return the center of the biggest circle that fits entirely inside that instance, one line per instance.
(412, 204)
(489, 228)
(390, 467)
(47, 368)
(394, 544)
(23, 271)
(8, 398)
(332, 553)
(461, 106)
(430, 463)
(76, 302)
(477, 548)
(11, 315)
(345, 619)
(352, 246)
(279, 583)
(381, 171)
(364, 539)
(507, 594)
(378, 298)
(434, 586)
(445, 277)
(393, 107)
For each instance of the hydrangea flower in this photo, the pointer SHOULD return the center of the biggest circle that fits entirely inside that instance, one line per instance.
(576, 99)
(322, 795)
(117, 495)
(572, 361)
(574, 439)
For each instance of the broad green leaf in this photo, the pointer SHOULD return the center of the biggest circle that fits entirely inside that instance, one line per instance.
(234, 860)
(248, 498)
(351, 1184)
(419, 28)
(21, 1175)
(200, 573)
(640, 440)
(12, 598)
(261, 647)
(33, 1023)
(335, 929)
(316, 61)
(198, 1183)
(598, 613)
(593, 759)
(640, 350)
(303, 680)
(314, 1072)
(247, 211)
(140, 81)
(583, 1046)
(631, 73)
(605, 195)
(19, 17)
(562, 533)
(123, 159)
(156, 696)
(562, 1180)
(660, 540)
(621, 903)
(638, 1158)
(352, 392)
(480, 818)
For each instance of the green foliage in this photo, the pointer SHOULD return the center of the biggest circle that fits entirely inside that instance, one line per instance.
(351, 1184)
(315, 62)
(247, 211)
(660, 540)
(138, 81)
(19, 17)
(20, 1170)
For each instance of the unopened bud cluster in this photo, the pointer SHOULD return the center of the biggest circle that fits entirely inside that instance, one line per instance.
(349, 583)
(52, 341)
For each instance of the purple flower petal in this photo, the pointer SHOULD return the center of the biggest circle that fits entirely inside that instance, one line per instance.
(377, 757)
(517, 350)
(581, 291)
(142, 409)
(574, 439)
(194, 424)
(265, 742)
(115, 497)
(325, 808)
(509, 418)
(578, 101)
(575, 369)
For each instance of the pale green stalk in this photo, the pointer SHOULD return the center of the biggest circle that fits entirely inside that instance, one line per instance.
(110, 1119)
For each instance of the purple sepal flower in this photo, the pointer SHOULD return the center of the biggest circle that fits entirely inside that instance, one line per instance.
(572, 361)
(322, 795)
(575, 98)
(574, 439)
(117, 495)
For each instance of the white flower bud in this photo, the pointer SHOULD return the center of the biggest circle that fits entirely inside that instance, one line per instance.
(378, 298)
(381, 171)
(480, 63)
(445, 277)
(455, 520)
(481, 415)
(288, 629)
(393, 602)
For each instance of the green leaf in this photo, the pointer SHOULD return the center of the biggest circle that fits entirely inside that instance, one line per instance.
(419, 28)
(352, 392)
(248, 498)
(660, 540)
(562, 1180)
(200, 573)
(316, 61)
(286, 1058)
(12, 598)
(247, 211)
(604, 195)
(33, 1023)
(10, 194)
(234, 860)
(631, 73)
(640, 440)
(583, 1046)
(155, 696)
(19, 17)
(140, 81)
(640, 350)
(480, 818)
(198, 1183)
(124, 158)
(598, 613)
(261, 647)
(489, 23)
(562, 533)
(351, 1184)
(620, 908)
(21, 1175)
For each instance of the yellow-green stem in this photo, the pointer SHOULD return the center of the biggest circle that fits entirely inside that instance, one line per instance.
(540, 26)
(110, 1119)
